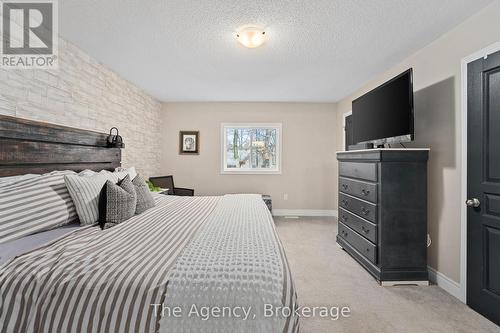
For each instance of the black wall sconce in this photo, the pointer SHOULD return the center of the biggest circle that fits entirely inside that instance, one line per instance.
(115, 141)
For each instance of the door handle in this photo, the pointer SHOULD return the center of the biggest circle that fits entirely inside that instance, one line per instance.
(474, 202)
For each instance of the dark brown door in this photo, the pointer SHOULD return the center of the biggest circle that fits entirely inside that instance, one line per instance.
(483, 187)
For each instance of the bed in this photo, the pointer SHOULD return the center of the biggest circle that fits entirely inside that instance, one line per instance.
(160, 271)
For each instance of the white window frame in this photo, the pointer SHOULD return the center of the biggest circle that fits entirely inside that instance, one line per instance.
(232, 171)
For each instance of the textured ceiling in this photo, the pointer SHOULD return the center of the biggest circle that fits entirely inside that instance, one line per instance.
(317, 50)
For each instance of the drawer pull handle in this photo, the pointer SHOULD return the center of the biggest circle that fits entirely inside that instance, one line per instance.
(344, 186)
(345, 203)
(365, 230)
(367, 250)
(344, 218)
(365, 192)
(365, 211)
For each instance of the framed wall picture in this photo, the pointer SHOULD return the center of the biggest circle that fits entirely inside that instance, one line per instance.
(189, 142)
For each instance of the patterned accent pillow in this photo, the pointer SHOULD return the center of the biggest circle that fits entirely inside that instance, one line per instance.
(144, 198)
(117, 202)
(85, 192)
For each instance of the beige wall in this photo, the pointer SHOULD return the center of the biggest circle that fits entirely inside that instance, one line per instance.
(437, 85)
(308, 161)
(82, 93)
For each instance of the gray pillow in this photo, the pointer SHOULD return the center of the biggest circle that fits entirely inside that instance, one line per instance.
(144, 198)
(117, 202)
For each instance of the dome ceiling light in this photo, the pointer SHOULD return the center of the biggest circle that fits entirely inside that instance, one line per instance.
(251, 36)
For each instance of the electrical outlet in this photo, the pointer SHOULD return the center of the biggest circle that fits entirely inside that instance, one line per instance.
(285, 196)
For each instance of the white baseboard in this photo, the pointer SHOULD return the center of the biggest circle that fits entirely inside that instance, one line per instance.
(304, 212)
(445, 283)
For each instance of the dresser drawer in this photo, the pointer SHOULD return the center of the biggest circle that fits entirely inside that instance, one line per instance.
(367, 171)
(360, 189)
(361, 226)
(363, 246)
(359, 207)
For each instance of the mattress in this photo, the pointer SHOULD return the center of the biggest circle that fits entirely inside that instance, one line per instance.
(202, 251)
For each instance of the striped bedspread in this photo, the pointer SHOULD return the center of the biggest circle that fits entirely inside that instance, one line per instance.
(96, 280)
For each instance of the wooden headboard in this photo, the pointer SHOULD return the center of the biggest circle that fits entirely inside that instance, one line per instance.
(28, 146)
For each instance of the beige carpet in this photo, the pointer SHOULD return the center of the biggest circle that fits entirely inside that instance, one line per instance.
(325, 275)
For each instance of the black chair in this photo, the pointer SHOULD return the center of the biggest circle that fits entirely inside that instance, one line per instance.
(168, 182)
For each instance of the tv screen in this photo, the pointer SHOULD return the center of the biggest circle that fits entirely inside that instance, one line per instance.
(385, 114)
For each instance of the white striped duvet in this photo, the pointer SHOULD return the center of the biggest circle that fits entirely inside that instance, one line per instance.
(105, 281)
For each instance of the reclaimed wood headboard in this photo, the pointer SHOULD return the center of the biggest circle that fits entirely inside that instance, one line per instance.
(28, 146)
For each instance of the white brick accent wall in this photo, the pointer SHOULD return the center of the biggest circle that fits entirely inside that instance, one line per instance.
(83, 93)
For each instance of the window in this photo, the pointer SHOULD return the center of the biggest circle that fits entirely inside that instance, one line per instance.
(251, 148)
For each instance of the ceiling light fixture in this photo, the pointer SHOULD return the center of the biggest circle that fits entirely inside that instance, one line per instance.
(251, 37)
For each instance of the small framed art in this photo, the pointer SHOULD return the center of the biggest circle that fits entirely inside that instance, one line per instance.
(189, 142)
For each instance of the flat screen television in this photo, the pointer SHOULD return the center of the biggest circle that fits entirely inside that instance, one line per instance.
(385, 114)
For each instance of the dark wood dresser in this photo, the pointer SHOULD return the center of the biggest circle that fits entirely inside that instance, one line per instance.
(383, 212)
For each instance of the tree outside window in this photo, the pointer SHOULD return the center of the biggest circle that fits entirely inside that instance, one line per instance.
(251, 148)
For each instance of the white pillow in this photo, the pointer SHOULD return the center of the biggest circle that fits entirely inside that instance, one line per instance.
(131, 171)
(34, 203)
(85, 193)
(9, 180)
(86, 173)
